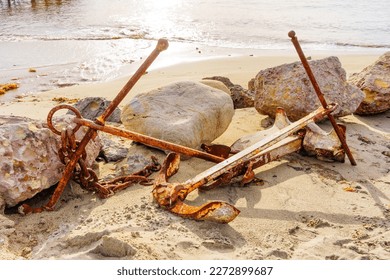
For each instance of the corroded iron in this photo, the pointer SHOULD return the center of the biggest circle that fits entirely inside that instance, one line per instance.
(321, 97)
(219, 150)
(172, 195)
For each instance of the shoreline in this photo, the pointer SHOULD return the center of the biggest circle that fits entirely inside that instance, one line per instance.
(90, 62)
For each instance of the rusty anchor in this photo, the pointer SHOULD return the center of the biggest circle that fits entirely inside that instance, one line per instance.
(284, 141)
(76, 150)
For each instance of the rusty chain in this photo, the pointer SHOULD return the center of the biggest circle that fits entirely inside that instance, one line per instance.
(88, 179)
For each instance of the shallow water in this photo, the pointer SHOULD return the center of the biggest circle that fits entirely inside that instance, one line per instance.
(232, 23)
(71, 42)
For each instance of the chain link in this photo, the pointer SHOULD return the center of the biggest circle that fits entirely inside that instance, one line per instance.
(88, 179)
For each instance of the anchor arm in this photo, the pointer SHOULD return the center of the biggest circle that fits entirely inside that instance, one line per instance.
(171, 197)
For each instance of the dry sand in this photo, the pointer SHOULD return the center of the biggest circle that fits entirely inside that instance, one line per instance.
(302, 211)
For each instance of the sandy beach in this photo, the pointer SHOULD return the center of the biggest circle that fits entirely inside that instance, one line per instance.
(306, 208)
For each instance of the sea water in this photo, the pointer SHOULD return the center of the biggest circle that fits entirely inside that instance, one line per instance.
(75, 41)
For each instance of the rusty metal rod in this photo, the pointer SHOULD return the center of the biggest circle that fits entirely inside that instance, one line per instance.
(161, 46)
(321, 97)
(150, 141)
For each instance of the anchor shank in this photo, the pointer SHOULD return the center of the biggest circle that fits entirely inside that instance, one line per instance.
(285, 147)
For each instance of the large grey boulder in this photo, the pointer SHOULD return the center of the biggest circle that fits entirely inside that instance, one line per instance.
(374, 81)
(186, 113)
(289, 87)
(29, 161)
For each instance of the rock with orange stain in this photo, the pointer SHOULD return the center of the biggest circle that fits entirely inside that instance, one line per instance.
(374, 81)
(289, 87)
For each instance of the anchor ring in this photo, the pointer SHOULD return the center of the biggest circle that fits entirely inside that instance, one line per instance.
(60, 107)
